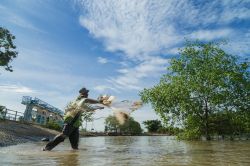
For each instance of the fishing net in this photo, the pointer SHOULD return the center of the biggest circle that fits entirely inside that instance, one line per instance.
(121, 109)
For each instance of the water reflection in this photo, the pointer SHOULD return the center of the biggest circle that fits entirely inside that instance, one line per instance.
(160, 151)
(70, 159)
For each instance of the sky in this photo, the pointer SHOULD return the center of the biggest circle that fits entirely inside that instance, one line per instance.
(116, 47)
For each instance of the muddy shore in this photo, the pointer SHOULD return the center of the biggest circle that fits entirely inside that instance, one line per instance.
(12, 133)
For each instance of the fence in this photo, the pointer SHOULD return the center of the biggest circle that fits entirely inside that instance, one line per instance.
(11, 115)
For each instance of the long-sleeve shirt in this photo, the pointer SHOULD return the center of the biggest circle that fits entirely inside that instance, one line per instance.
(74, 107)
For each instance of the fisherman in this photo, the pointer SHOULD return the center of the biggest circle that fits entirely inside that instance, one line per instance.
(72, 119)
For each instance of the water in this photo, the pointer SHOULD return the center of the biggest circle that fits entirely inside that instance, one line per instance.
(130, 151)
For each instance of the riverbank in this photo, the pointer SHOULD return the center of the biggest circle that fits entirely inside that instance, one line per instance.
(96, 134)
(12, 133)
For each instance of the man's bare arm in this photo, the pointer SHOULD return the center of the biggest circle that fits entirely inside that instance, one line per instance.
(92, 101)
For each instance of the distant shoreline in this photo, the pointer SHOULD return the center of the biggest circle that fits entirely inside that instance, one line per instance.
(97, 134)
(13, 133)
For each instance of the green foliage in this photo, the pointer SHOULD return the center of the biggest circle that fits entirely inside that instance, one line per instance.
(21, 119)
(155, 126)
(53, 125)
(111, 124)
(170, 130)
(84, 130)
(230, 123)
(7, 49)
(2, 112)
(202, 82)
(152, 125)
(2, 108)
(85, 117)
(130, 127)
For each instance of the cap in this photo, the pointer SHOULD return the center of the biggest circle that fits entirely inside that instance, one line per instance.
(83, 90)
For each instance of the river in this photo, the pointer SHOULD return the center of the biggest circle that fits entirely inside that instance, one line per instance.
(130, 151)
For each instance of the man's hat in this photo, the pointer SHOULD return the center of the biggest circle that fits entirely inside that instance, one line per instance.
(83, 90)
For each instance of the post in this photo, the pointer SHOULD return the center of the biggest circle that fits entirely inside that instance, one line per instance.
(86, 125)
(27, 113)
(5, 113)
(15, 115)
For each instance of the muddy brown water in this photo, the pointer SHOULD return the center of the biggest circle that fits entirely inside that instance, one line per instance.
(130, 151)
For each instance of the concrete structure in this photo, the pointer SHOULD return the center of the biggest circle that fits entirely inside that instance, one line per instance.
(41, 112)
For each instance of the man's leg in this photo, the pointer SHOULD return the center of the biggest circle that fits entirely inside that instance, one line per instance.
(67, 130)
(74, 138)
(58, 139)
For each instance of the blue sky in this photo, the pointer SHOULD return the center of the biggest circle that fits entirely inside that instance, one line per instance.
(114, 47)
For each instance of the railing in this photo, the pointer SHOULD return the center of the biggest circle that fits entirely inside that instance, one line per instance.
(11, 115)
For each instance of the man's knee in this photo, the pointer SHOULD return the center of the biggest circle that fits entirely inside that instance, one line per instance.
(61, 137)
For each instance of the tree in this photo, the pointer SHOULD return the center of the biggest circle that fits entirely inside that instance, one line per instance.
(111, 124)
(152, 125)
(203, 81)
(87, 117)
(130, 127)
(2, 108)
(53, 125)
(7, 49)
(2, 112)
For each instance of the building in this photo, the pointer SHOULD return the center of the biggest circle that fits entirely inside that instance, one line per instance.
(41, 112)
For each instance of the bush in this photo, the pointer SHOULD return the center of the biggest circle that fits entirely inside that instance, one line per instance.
(53, 125)
(2, 112)
(170, 130)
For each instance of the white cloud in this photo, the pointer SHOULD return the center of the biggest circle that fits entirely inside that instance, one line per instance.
(123, 71)
(102, 60)
(16, 89)
(142, 30)
(131, 78)
(128, 26)
(209, 35)
(51, 80)
(240, 45)
(139, 29)
(234, 10)
(173, 51)
(104, 88)
(14, 18)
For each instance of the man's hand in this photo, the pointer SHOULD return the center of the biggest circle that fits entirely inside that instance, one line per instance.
(106, 100)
